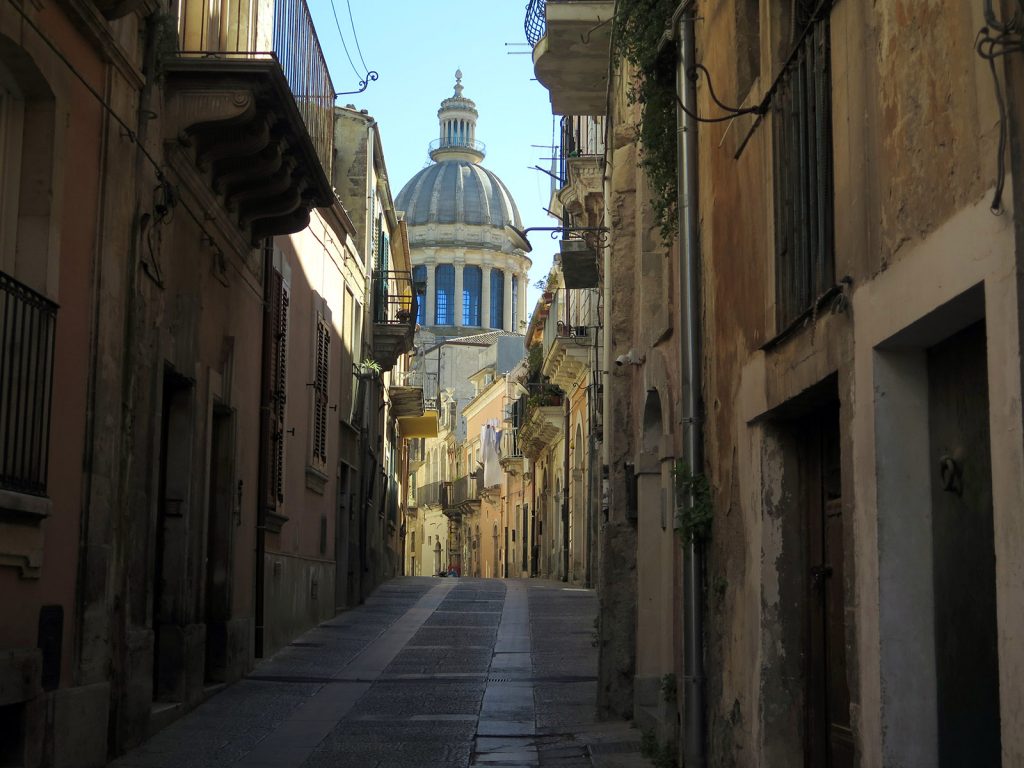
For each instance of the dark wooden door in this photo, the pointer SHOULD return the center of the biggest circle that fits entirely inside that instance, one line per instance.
(829, 736)
(966, 654)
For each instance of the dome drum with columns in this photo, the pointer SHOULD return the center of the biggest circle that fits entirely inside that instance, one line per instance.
(457, 212)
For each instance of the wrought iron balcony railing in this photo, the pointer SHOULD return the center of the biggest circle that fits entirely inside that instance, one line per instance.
(535, 24)
(458, 142)
(463, 489)
(395, 298)
(28, 323)
(432, 494)
(581, 136)
(510, 448)
(205, 30)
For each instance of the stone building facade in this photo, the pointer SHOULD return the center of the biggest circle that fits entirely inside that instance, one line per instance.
(160, 215)
(838, 393)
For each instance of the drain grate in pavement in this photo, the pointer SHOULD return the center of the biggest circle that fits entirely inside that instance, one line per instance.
(614, 747)
(547, 679)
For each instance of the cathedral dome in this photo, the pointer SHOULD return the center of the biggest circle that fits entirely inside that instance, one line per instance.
(457, 191)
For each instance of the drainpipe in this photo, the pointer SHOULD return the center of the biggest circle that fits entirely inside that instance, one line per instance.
(263, 475)
(689, 290)
(565, 490)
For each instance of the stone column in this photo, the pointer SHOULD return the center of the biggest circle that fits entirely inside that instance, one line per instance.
(457, 298)
(507, 309)
(428, 314)
(522, 298)
(485, 296)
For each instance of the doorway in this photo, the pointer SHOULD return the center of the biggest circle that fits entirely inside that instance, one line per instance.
(966, 654)
(219, 527)
(829, 734)
(171, 552)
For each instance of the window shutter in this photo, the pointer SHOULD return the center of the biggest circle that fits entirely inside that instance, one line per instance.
(320, 392)
(280, 384)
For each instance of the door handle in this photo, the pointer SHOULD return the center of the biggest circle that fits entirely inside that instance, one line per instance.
(819, 573)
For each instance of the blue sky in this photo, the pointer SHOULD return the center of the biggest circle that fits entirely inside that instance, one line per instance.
(416, 47)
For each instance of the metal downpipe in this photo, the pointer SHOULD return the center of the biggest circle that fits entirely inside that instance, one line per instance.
(689, 285)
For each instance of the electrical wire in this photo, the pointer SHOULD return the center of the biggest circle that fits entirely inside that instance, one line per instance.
(1009, 38)
(355, 36)
(344, 45)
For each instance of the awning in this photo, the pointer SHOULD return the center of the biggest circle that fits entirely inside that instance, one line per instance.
(418, 426)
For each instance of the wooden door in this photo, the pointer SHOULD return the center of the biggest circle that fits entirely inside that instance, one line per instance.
(966, 654)
(829, 736)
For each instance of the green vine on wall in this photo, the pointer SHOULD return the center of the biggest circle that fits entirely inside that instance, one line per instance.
(693, 520)
(639, 27)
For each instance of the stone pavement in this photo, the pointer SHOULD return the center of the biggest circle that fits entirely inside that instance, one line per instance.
(429, 673)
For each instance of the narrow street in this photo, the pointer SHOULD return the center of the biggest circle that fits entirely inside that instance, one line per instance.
(428, 673)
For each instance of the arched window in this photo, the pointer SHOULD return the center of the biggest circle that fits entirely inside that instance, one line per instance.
(498, 299)
(472, 279)
(419, 280)
(515, 304)
(444, 295)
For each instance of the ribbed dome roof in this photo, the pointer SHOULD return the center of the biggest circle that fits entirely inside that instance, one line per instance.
(457, 192)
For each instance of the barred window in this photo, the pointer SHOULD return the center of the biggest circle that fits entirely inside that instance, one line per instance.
(802, 161)
(321, 383)
(472, 285)
(27, 332)
(497, 299)
(444, 282)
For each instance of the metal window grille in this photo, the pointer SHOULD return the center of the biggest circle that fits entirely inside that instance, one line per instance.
(472, 286)
(444, 282)
(27, 334)
(802, 159)
(497, 299)
(320, 392)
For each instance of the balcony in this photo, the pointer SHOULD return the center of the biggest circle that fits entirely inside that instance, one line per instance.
(250, 113)
(543, 423)
(394, 320)
(462, 497)
(473, 149)
(512, 459)
(568, 347)
(581, 169)
(432, 494)
(571, 42)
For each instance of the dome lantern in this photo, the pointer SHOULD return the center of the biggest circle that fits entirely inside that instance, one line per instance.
(457, 128)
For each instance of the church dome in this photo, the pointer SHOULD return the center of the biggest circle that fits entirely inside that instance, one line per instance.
(457, 191)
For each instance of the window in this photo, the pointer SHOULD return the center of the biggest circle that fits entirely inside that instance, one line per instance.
(321, 372)
(419, 277)
(802, 163)
(279, 381)
(444, 282)
(515, 304)
(497, 299)
(472, 280)
(27, 325)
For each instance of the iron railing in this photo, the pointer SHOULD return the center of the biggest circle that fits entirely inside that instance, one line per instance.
(27, 332)
(432, 494)
(458, 142)
(294, 45)
(395, 298)
(581, 136)
(510, 448)
(463, 489)
(536, 21)
(802, 160)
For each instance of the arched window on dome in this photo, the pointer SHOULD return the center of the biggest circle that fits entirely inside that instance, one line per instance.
(515, 304)
(444, 297)
(497, 299)
(419, 279)
(472, 283)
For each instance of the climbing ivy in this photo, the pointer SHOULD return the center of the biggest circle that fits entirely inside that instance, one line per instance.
(639, 27)
(693, 520)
